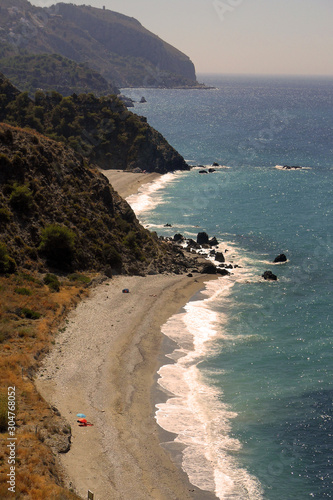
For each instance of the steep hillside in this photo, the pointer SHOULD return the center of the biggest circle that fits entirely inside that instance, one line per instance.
(53, 72)
(56, 210)
(116, 46)
(102, 129)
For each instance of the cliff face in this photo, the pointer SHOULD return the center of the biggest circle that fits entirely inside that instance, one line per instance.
(117, 46)
(101, 129)
(56, 210)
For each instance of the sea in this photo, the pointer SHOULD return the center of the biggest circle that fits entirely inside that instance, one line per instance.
(249, 382)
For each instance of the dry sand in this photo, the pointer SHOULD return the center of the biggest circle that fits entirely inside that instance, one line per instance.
(127, 183)
(104, 365)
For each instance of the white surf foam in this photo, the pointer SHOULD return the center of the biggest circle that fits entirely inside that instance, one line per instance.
(196, 412)
(148, 197)
(282, 167)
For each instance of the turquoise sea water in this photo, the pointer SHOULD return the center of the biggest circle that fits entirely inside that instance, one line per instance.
(252, 377)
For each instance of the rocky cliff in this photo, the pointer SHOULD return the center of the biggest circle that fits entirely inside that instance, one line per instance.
(117, 46)
(101, 129)
(57, 211)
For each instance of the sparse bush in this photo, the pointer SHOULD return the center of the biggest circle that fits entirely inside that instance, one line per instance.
(23, 291)
(21, 197)
(130, 240)
(58, 244)
(4, 160)
(52, 281)
(7, 263)
(112, 256)
(81, 278)
(4, 216)
(29, 313)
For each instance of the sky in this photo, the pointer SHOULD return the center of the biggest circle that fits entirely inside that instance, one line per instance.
(287, 37)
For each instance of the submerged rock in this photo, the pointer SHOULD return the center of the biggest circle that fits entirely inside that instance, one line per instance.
(203, 172)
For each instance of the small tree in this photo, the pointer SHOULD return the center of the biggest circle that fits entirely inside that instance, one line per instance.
(21, 197)
(58, 244)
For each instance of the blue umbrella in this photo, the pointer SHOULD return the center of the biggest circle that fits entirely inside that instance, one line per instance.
(81, 415)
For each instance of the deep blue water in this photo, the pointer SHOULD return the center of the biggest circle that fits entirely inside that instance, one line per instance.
(254, 386)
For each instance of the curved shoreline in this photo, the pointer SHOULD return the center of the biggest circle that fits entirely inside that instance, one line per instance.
(104, 365)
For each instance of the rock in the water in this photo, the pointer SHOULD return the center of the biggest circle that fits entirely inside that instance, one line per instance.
(167, 225)
(178, 237)
(280, 258)
(215, 164)
(223, 272)
(268, 275)
(219, 257)
(213, 242)
(211, 170)
(202, 238)
(209, 268)
(142, 100)
(203, 172)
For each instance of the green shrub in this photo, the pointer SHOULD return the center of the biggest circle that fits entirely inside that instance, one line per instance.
(7, 263)
(112, 256)
(81, 278)
(130, 240)
(4, 216)
(4, 160)
(52, 281)
(23, 291)
(58, 244)
(29, 313)
(21, 197)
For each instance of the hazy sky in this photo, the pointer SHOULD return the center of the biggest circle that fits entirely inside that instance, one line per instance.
(238, 36)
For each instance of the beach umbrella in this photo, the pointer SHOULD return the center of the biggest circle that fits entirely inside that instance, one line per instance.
(81, 415)
(82, 420)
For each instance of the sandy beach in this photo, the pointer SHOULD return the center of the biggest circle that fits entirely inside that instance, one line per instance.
(104, 365)
(127, 183)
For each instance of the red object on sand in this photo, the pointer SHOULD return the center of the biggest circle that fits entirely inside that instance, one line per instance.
(82, 420)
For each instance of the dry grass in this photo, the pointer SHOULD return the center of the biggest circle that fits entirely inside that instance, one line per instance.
(23, 342)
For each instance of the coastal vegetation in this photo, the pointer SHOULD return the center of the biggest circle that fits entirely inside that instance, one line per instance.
(62, 228)
(46, 72)
(99, 128)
